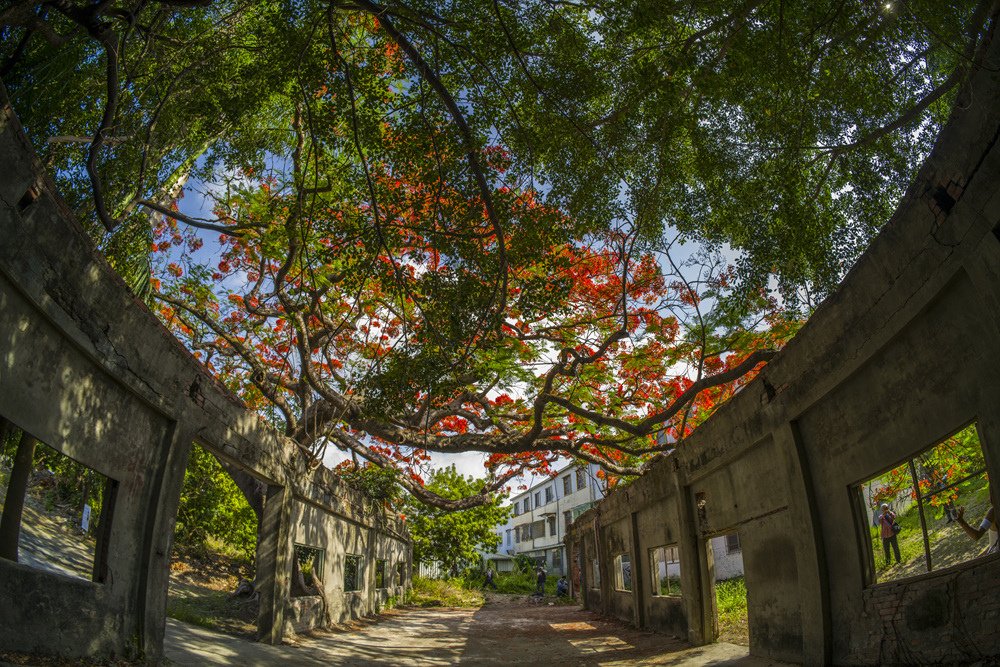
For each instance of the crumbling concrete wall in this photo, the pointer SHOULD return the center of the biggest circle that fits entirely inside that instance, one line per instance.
(372, 541)
(905, 353)
(87, 369)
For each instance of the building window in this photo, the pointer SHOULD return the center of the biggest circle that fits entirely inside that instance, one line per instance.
(919, 531)
(557, 559)
(538, 529)
(552, 525)
(623, 573)
(380, 574)
(581, 479)
(508, 537)
(549, 494)
(310, 562)
(514, 511)
(666, 570)
(400, 573)
(567, 519)
(567, 485)
(85, 499)
(538, 499)
(352, 573)
(527, 504)
(733, 543)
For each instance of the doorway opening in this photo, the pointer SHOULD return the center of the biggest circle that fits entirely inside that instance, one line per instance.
(729, 589)
(212, 564)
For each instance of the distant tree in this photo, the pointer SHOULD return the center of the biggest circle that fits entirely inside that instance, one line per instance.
(453, 537)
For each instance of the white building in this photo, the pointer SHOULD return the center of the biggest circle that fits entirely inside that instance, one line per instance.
(542, 514)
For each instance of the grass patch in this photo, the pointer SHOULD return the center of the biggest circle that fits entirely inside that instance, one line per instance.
(731, 602)
(444, 593)
(948, 542)
(523, 583)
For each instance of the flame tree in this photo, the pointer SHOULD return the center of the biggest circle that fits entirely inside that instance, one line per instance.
(479, 225)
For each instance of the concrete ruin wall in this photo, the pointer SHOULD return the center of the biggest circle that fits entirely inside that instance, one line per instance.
(905, 353)
(90, 371)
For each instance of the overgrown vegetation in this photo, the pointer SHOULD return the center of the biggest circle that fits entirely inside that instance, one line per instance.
(433, 226)
(731, 603)
(213, 514)
(453, 592)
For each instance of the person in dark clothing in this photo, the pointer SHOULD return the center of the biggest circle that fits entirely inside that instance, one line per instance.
(562, 587)
(540, 589)
(489, 579)
(887, 521)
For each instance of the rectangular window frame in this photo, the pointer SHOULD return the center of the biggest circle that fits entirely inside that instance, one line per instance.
(670, 554)
(567, 482)
(359, 567)
(861, 513)
(380, 574)
(623, 584)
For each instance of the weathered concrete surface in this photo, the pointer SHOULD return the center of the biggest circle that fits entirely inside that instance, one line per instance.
(492, 635)
(906, 352)
(91, 372)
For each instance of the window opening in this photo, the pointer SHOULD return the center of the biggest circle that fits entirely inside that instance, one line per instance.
(380, 574)
(57, 513)
(665, 562)
(623, 573)
(552, 525)
(308, 573)
(353, 566)
(567, 482)
(549, 494)
(916, 511)
(400, 574)
(581, 478)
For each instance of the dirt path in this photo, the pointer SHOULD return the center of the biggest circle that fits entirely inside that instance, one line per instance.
(51, 541)
(499, 633)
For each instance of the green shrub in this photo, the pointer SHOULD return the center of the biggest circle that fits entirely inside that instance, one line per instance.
(213, 511)
(731, 602)
(454, 592)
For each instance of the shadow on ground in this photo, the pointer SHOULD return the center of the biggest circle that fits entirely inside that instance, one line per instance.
(500, 632)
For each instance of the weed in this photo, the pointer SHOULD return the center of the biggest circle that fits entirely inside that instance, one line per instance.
(731, 602)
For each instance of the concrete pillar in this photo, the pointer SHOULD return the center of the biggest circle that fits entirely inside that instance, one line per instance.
(639, 591)
(158, 536)
(813, 576)
(17, 487)
(696, 571)
(274, 564)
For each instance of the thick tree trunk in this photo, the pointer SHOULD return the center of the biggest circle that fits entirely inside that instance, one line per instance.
(10, 523)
